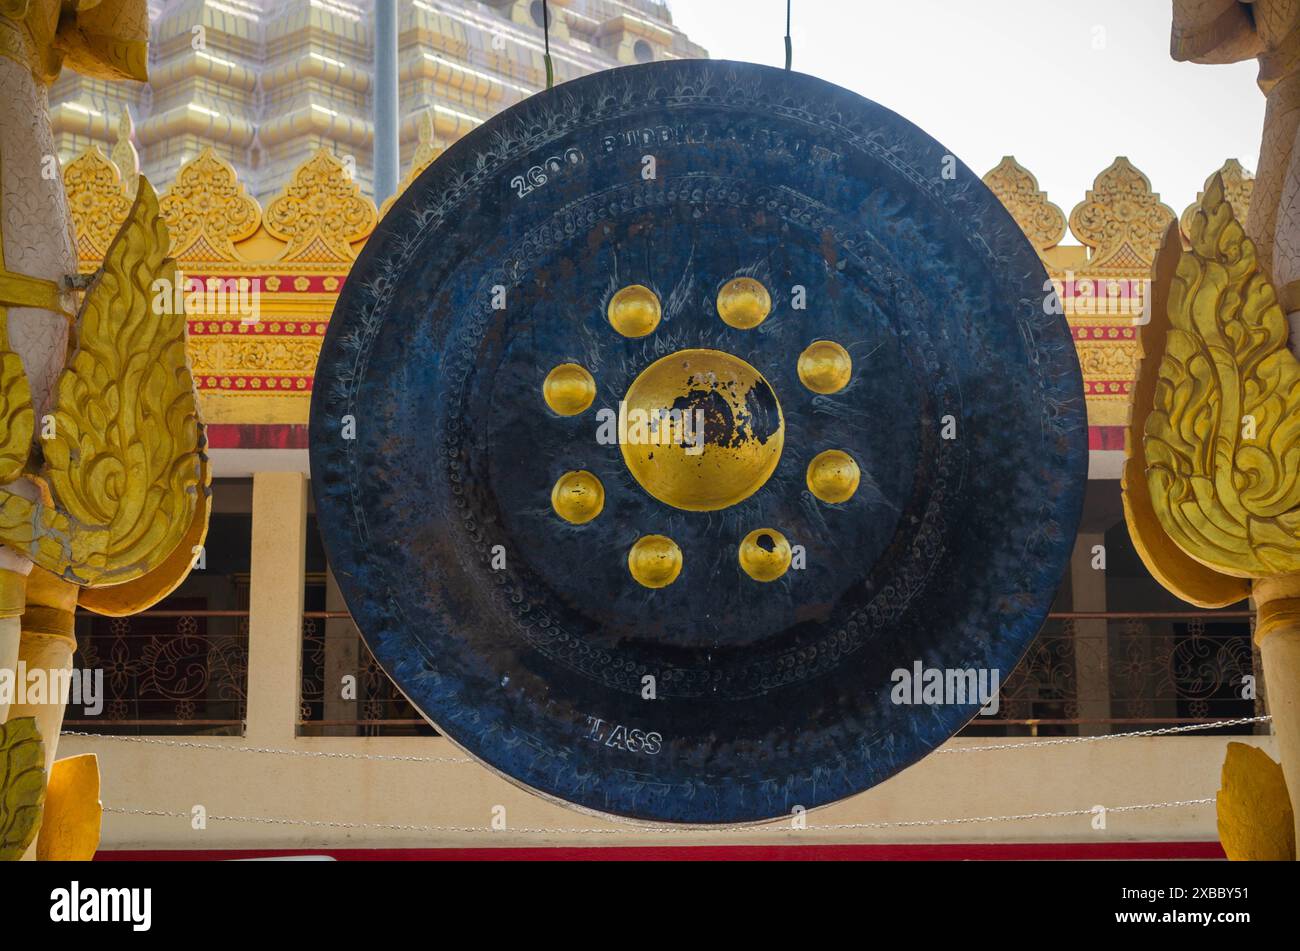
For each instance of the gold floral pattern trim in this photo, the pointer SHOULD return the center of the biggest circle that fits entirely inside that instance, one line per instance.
(207, 210)
(98, 200)
(1121, 219)
(321, 213)
(1016, 187)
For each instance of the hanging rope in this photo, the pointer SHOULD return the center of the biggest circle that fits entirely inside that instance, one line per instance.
(789, 46)
(546, 34)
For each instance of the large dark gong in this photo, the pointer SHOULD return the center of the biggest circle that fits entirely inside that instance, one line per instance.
(671, 412)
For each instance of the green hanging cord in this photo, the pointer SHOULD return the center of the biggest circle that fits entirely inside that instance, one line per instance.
(546, 32)
(789, 46)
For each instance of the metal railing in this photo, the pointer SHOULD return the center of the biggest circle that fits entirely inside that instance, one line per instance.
(185, 671)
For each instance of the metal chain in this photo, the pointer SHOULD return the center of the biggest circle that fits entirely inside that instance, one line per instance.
(464, 760)
(311, 754)
(1067, 740)
(665, 830)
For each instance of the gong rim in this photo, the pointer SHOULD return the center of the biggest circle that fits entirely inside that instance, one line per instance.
(347, 477)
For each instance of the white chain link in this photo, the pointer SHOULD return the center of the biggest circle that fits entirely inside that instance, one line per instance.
(1067, 740)
(463, 760)
(311, 754)
(665, 830)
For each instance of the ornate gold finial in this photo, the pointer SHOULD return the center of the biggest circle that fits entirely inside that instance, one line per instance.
(426, 151)
(321, 213)
(1016, 187)
(124, 155)
(97, 200)
(1223, 436)
(1238, 186)
(208, 210)
(1121, 219)
(764, 554)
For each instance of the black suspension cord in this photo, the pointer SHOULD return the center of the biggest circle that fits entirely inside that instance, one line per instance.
(546, 33)
(789, 46)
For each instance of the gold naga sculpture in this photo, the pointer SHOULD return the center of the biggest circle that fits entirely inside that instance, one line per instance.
(104, 483)
(1212, 475)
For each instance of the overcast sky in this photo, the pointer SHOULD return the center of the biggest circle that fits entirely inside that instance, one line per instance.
(1063, 85)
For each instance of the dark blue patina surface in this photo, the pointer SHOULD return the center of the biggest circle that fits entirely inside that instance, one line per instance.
(769, 697)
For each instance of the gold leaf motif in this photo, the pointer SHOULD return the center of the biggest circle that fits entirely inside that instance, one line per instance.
(124, 155)
(1223, 436)
(17, 420)
(321, 213)
(73, 812)
(97, 199)
(1170, 565)
(207, 209)
(1121, 219)
(1255, 818)
(125, 463)
(22, 786)
(1042, 222)
(123, 600)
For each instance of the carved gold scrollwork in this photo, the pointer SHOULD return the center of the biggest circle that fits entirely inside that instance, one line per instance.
(1121, 219)
(123, 470)
(98, 201)
(207, 210)
(1042, 222)
(1223, 436)
(1168, 563)
(321, 213)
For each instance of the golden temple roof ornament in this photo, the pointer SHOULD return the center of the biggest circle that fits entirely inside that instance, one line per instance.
(98, 201)
(124, 155)
(208, 210)
(1016, 187)
(425, 152)
(321, 213)
(1121, 219)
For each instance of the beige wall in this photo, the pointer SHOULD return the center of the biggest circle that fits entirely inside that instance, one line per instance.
(462, 796)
